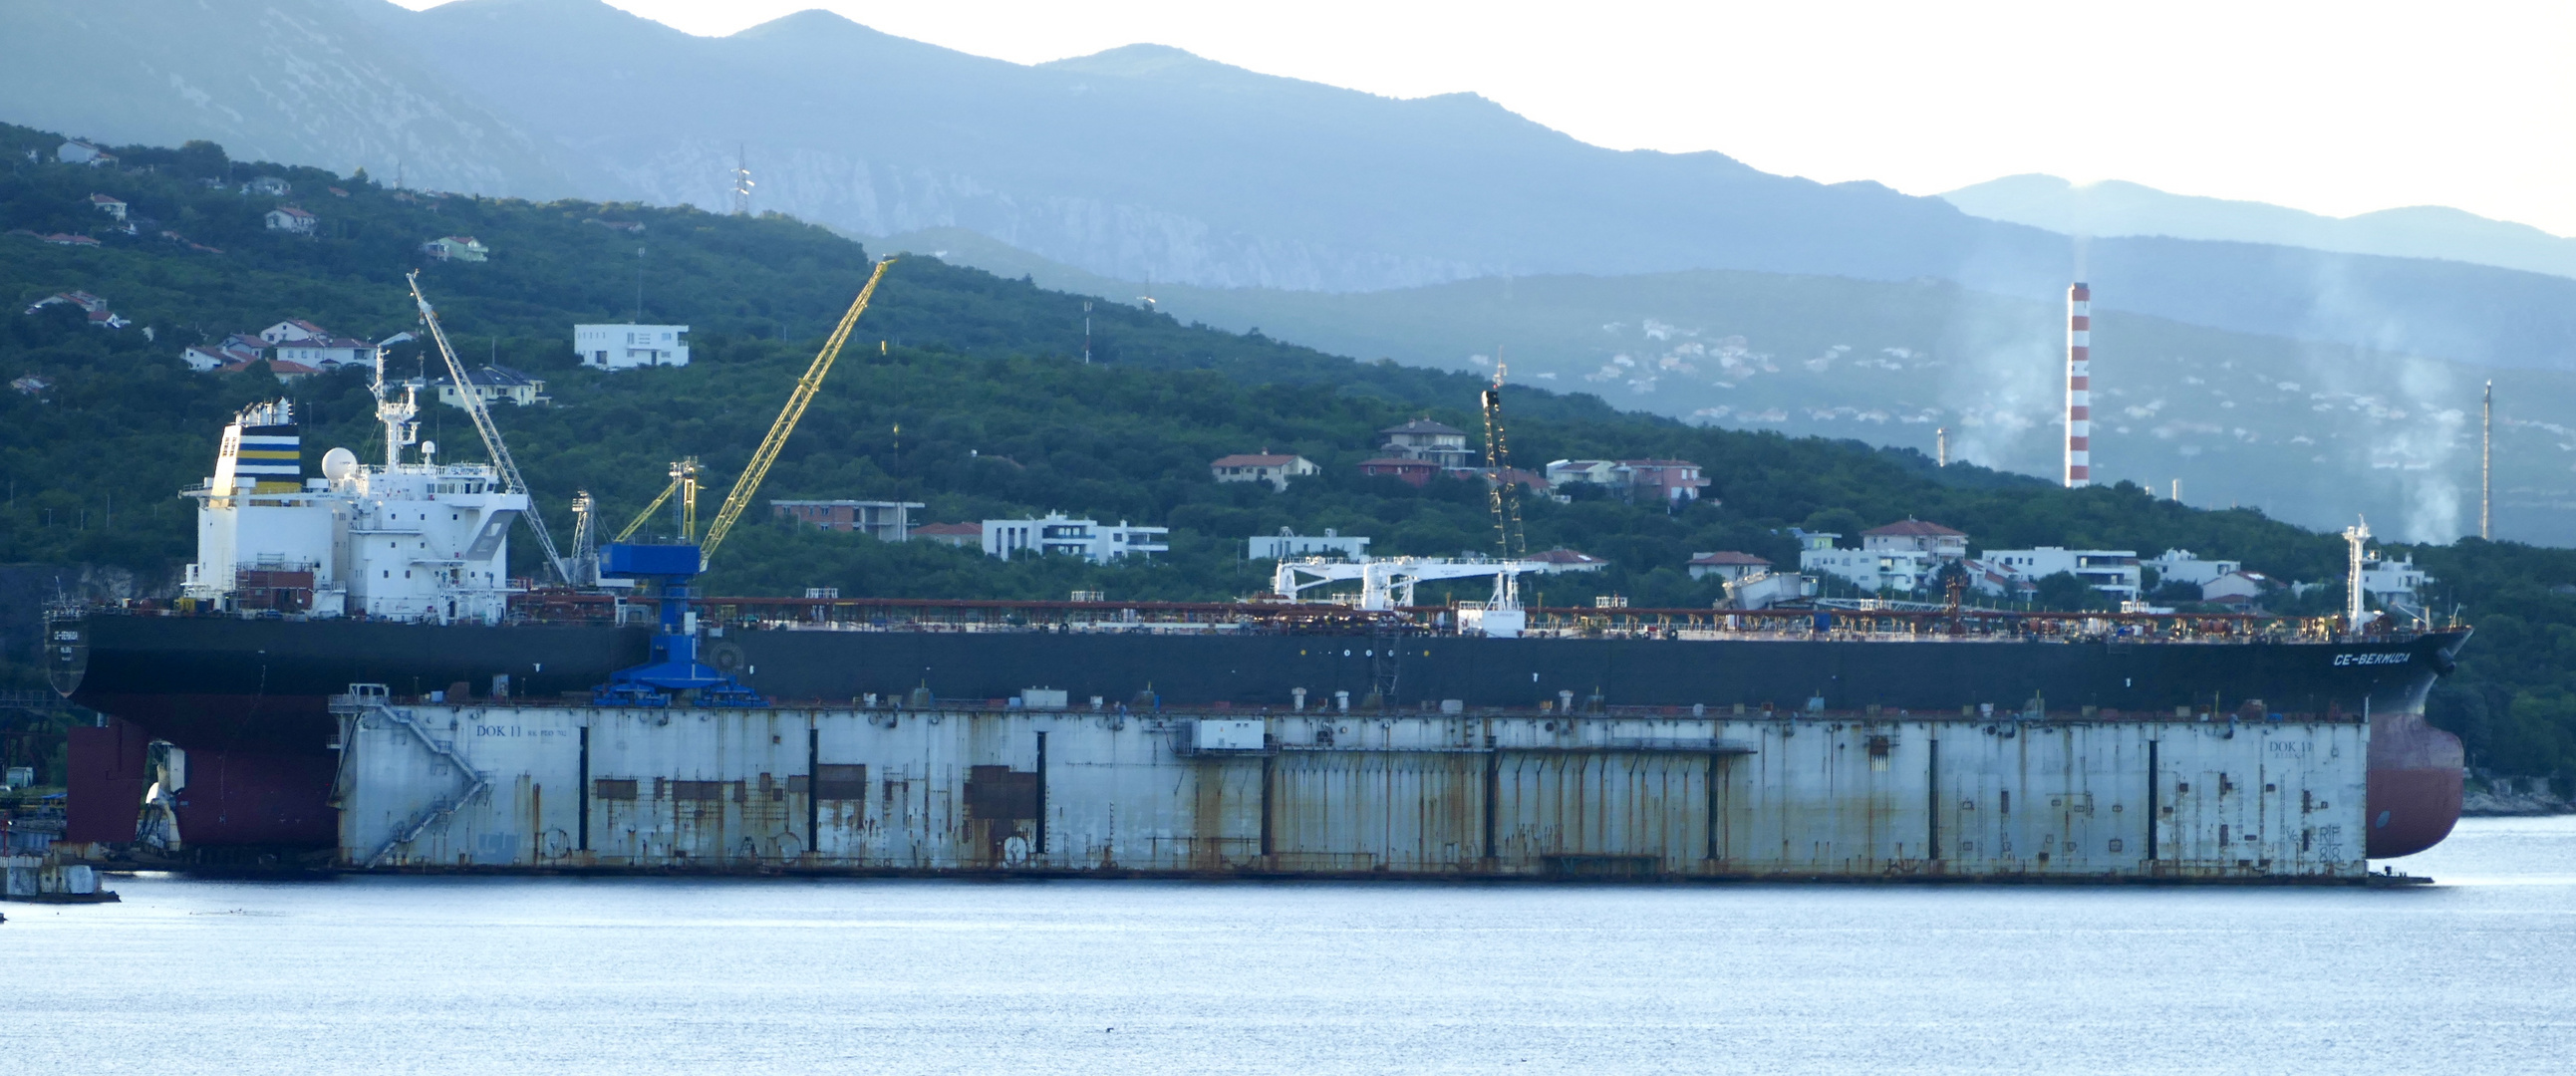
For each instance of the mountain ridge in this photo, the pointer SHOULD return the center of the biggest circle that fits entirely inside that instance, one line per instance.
(2122, 208)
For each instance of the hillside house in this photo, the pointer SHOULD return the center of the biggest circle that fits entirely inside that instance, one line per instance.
(272, 186)
(2183, 566)
(93, 308)
(1914, 535)
(1727, 566)
(956, 534)
(2235, 588)
(1261, 467)
(495, 384)
(108, 204)
(1872, 570)
(302, 341)
(1410, 471)
(1422, 439)
(79, 152)
(620, 347)
(885, 521)
(1666, 481)
(1597, 472)
(294, 221)
(2111, 571)
(284, 370)
(2393, 582)
(1085, 538)
(457, 248)
(67, 239)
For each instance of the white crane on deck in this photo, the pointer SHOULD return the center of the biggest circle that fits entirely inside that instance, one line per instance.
(1387, 583)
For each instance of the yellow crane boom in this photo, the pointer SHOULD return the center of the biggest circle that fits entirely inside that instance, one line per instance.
(740, 496)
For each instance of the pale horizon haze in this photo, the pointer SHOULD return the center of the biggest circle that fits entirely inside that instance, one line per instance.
(2332, 108)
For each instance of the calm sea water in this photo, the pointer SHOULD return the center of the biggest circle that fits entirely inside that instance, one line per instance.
(708, 977)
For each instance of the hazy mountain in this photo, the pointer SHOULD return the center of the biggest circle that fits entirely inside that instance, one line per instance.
(304, 81)
(2114, 208)
(2313, 433)
(1140, 163)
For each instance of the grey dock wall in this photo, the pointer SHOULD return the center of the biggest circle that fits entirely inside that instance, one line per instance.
(1349, 795)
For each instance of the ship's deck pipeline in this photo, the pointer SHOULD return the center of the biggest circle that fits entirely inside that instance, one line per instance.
(1505, 794)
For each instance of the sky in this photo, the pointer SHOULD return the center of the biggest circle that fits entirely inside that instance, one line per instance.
(2336, 108)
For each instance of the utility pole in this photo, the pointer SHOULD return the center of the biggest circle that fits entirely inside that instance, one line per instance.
(1941, 446)
(639, 285)
(2486, 466)
(1086, 332)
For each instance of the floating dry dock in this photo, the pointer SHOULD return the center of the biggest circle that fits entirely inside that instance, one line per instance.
(1668, 794)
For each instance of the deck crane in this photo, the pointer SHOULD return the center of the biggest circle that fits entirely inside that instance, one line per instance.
(492, 443)
(673, 567)
(1503, 494)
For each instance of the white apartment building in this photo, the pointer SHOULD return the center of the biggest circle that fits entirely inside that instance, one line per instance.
(620, 347)
(1285, 544)
(2393, 581)
(1086, 538)
(2111, 571)
(1871, 570)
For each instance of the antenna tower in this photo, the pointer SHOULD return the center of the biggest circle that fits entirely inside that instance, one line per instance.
(741, 181)
(2486, 466)
(1503, 494)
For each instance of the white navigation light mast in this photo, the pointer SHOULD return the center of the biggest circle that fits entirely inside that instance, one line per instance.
(2355, 538)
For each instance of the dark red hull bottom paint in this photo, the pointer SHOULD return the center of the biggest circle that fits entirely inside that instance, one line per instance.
(2415, 779)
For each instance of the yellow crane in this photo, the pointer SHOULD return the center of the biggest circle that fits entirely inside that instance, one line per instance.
(684, 481)
(740, 496)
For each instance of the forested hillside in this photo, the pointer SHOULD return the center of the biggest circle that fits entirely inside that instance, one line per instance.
(968, 392)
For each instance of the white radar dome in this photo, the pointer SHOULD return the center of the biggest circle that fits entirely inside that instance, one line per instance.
(338, 464)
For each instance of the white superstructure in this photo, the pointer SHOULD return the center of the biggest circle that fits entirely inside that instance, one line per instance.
(405, 540)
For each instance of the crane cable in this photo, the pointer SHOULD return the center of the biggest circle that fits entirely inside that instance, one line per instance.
(740, 496)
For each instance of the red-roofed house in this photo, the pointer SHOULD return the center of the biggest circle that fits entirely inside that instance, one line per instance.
(108, 204)
(1415, 472)
(285, 369)
(287, 218)
(457, 248)
(1262, 467)
(1728, 566)
(1664, 480)
(1916, 536)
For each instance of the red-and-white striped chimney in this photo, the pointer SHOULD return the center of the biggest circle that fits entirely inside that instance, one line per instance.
(2079, 388)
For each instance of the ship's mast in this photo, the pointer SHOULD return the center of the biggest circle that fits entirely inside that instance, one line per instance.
(2355, 538)
(397, 417)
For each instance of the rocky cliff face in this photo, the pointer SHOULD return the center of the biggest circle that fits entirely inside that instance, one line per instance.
(302, 81)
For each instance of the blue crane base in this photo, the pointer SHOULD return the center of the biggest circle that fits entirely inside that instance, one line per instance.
(675, 673)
